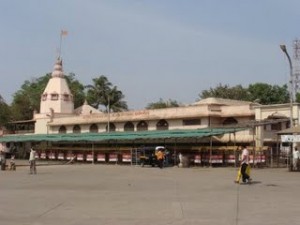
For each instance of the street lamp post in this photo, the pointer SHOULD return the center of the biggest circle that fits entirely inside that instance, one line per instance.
(283, 48)
(108, 113)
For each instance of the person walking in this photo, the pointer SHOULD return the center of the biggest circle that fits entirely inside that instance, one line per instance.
(244, 165)
(239, 175)
(160, 157)
(296, 157)
(180, 159)
(12, 163)
(32, 161)
(3, 160)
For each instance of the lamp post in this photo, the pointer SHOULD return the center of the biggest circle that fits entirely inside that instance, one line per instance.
(108, 113)
(283, 48)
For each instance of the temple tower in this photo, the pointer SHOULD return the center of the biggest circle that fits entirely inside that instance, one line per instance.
(57, 97)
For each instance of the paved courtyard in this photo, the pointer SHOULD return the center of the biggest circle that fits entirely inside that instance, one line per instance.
(129, 195)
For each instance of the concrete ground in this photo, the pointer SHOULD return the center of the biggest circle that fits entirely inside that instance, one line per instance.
(129, 195)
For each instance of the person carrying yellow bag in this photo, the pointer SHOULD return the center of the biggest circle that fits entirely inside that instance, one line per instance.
(239, 175)
(244, 171)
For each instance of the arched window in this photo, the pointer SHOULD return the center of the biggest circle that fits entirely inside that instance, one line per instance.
(162, 125)
(62, 130)
(142, 125)
(76, 129)
(230, 121)
(129, 126)
(112, 127)
(93, 128)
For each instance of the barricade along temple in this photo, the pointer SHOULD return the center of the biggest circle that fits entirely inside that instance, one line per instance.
(209, 131)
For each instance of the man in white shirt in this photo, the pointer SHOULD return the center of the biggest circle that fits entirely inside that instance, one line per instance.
(32, 161)
(295, 158)
(244, 164)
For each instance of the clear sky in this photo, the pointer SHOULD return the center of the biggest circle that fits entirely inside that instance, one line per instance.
(149, 49)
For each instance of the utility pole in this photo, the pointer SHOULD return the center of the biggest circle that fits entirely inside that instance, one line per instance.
(283, 48)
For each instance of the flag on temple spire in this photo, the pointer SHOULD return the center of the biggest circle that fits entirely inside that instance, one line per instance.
(64, 32)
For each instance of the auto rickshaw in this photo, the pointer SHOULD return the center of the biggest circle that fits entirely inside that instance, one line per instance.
(148, 157)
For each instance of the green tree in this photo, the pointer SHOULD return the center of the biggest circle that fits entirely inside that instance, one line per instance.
(77, 90)
(103, 93)
(298, 97)
(260, 92)
(116, 104)
(27, 99)
(267, 94)
(225, 91)
(161, 104)
(4, 112)
(98, 91)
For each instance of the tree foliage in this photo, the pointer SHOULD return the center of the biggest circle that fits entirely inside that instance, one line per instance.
(161, 104)
(259, 92)
(225, 91)
(103, 93)
(267, 94)
(77, 90)
(27, 99)
(298, 97)
(4, 112)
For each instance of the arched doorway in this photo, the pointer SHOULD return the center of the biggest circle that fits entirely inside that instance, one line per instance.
(162, 125)
(76, 129)
(62, 130)
(93, 128)
(230, 121)
(142, 125)
(112, 127)
(129, 126)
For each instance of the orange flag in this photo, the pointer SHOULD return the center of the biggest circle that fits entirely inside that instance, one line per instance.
(63, 32)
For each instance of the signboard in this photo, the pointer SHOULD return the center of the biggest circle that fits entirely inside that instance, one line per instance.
(290, 138)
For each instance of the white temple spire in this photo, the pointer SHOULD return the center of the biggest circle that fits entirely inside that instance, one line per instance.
(57, 95)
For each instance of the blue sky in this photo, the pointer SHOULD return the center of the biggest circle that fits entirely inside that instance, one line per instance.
(169, 49)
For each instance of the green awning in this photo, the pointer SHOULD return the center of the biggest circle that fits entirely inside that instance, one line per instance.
(119, 136)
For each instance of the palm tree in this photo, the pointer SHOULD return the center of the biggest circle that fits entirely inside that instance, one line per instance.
(102, 93)
(97, 92)
(115, 102)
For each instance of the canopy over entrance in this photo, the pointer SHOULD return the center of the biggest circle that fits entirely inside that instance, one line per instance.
(120, 136)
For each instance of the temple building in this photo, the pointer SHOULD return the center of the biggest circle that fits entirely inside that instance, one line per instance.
(242, 123)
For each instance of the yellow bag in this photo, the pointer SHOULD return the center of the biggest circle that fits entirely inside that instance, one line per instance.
(239, 175)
